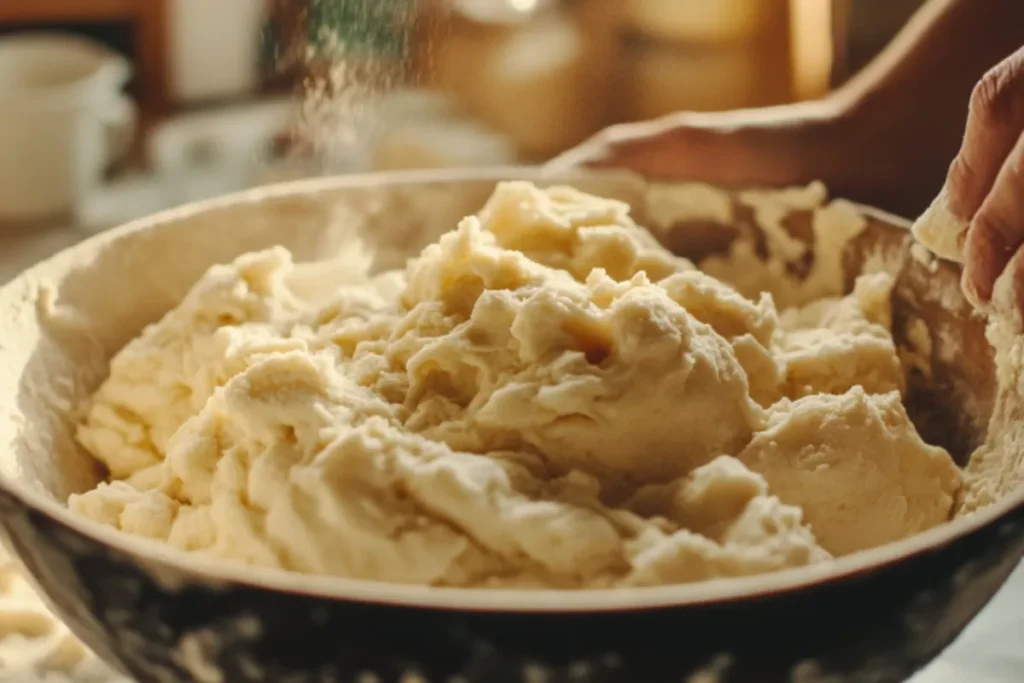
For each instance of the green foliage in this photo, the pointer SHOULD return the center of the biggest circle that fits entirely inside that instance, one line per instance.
(380, 27)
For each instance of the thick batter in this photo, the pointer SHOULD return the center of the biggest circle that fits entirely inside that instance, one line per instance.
(546, 397)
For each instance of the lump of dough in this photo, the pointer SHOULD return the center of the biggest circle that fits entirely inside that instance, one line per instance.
(832, 345)
(164, 376)
(290, 466)
(615, 378)
(233, 314)
(413, 510)
(941, 231)
(856, 466)
(728, 525)
(796, 265)
(635, 388)
(750, 327)
(996, 468)
(566, 229)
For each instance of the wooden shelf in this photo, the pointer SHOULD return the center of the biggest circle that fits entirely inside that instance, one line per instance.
(66, 10)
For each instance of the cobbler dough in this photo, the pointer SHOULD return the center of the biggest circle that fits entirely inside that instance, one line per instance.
(940, 230)
(835, 344)
(831, 226)
(856, 467)
(996, 468)
(546, 397)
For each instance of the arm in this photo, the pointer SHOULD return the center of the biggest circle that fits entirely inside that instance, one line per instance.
(885, 138)
(942, 52)
(912, 98)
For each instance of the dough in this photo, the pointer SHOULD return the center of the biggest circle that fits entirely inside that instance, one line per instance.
(834, 344)
(939, 230)
(820, 253)
(996, 468)
(545, 397)
(855, 465)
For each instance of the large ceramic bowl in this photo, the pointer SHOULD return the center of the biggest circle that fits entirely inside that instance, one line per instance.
(165, 616)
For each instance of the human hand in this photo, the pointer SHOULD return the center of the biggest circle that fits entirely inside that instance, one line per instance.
(873, 150)
(984, 190)
(771, 146)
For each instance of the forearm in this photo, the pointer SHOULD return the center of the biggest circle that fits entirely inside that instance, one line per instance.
(913, 97)
(886, 138)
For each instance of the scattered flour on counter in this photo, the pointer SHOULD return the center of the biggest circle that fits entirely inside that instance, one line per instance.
(546, 397)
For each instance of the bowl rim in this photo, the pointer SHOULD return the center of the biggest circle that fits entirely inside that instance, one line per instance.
(175, 567)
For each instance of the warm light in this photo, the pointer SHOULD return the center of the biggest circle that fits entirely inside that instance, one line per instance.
(524, 6)
(498, 11)
(810, 26)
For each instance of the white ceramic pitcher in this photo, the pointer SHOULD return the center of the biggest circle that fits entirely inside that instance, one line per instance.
(63, 121)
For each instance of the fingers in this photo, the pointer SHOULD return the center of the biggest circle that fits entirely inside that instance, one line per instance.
(995, 120)
(996, 232)
(984, 189)
(1008, 293)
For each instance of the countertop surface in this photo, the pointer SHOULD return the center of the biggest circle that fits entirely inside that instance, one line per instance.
(991, 650)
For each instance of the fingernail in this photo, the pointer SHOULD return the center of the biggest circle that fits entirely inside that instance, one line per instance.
(970, 291)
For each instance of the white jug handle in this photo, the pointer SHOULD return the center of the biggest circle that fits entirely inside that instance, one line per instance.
(120, 119)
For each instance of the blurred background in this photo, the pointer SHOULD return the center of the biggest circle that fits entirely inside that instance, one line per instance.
(110, 109)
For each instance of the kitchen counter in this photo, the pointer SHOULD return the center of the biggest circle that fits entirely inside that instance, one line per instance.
(989, 651)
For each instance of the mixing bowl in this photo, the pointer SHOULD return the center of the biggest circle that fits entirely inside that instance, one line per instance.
(162, 615)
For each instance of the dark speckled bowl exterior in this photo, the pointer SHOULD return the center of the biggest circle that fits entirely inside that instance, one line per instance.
(165, 617)
(880, 624)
